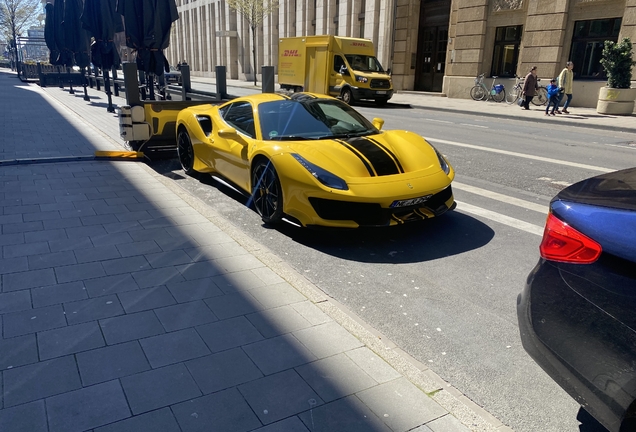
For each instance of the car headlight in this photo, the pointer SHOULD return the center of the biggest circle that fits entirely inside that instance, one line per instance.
(442, 161)
(361, 79)
(323, 176)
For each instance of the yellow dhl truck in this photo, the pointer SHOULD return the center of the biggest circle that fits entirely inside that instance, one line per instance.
(338, 66)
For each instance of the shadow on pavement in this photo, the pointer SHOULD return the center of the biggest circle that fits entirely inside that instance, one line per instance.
(123, 306)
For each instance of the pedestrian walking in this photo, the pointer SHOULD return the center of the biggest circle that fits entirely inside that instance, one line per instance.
(530, 86)
(553, 97)
(565, 84)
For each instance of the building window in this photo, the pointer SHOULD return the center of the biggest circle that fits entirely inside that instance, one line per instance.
(506, 53)
(587, 45)
(363, 7)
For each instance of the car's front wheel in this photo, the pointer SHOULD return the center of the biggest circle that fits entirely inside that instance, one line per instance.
(267, 193)
(185, 151)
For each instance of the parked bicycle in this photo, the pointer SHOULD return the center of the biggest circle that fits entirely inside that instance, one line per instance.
(541, 96)
(481, 92)
(515, 92)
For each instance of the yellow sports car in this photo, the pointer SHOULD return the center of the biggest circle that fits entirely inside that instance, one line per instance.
(312, 160)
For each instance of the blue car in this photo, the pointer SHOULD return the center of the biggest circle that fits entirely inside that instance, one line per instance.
(577, 312)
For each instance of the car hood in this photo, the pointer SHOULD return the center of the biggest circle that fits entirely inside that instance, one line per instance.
(384, 154)
(615, 190)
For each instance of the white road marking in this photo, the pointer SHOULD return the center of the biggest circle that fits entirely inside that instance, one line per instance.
(502, 219)
(622, 146)
(438, 121)
(522, 155)
(501, 197)
(474, 125)
(555, 182)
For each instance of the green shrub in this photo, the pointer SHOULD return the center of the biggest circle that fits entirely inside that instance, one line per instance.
(617, 62)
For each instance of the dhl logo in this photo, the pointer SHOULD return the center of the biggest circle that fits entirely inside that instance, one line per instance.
(291, 53)
(362, 44)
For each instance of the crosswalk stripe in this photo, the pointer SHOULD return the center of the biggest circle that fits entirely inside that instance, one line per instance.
(502, 219)
(522, 155)
(501, 197)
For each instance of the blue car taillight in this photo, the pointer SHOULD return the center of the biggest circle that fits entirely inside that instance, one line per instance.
(563, 243)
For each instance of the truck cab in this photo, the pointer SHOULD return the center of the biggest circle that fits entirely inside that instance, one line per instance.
(337, 66)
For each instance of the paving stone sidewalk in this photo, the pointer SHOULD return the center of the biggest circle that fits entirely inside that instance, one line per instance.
(127, 305)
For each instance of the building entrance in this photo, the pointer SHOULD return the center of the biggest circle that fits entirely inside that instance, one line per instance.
(432, 43)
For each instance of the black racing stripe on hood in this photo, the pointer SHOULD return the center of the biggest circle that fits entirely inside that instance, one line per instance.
(360, 156)
(382, 163)
(389, 152)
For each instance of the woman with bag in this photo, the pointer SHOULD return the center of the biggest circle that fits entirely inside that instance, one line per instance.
(530, 86)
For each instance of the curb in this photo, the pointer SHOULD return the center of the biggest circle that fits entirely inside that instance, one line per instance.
(528, 119)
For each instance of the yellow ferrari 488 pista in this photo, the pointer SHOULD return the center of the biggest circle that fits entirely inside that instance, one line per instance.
(312, 160)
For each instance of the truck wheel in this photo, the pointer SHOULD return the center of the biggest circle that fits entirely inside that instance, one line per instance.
(346, 96)
(381, 101)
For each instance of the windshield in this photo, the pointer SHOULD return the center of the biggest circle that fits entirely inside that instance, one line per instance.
(311, 119)
(364, 63)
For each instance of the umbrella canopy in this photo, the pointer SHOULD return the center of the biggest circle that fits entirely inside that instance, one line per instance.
(76, 38)
(49, 34)
(102, 22)
(148, 25)
(65, 57)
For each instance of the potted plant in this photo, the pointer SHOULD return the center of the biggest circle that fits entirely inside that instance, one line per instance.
(617, 97)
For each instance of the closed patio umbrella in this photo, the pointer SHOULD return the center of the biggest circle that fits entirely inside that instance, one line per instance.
(102, 22)
(147, 24)
(49, 33)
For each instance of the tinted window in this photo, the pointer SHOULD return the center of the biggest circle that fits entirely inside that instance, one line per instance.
(506, 52)
(310, 119)
(240, 116)
(587, 45)
(338, 62)
(364, 63)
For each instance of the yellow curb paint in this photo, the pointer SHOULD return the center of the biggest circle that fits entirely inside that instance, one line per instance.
(119, 154)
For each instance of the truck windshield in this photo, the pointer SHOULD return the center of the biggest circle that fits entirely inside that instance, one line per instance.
(364, 63)
(311, 119)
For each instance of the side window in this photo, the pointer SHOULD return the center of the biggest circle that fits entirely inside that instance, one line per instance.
(240, 116)
(338, 63)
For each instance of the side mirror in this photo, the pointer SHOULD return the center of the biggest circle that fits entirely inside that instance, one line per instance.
(343, 70)
(388, 71)
(378, 123)
(228, 132)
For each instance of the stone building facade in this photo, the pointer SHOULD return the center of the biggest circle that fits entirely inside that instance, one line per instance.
(430, 45)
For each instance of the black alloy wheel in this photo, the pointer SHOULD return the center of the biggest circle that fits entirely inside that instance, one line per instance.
(185, 152)
(346, 96)
(267, 193)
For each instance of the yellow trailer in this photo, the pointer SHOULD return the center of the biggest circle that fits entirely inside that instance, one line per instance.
(338, 66)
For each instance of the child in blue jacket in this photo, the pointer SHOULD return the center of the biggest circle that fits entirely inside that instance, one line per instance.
(553, 97)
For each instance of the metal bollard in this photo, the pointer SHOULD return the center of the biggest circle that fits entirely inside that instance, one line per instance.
(221, 83)
(268, 79)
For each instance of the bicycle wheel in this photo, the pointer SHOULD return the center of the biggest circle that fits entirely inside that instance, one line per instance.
(513, 95)
(498, 97)
(541, 97)
(478, 93)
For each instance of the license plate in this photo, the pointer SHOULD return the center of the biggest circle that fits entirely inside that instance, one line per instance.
(380, 92)
(410, 202)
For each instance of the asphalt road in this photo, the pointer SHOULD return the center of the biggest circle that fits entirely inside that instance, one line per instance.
(445, 290)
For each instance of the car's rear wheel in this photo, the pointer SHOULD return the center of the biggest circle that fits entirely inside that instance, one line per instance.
(185, 151)
(347, 96)
(267, 193)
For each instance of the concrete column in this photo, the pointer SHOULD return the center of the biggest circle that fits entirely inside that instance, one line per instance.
(468, 31)
(544, 37)
(628, 28)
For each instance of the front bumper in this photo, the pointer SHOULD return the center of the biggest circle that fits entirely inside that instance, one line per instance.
(363, 93)
(561, 331)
